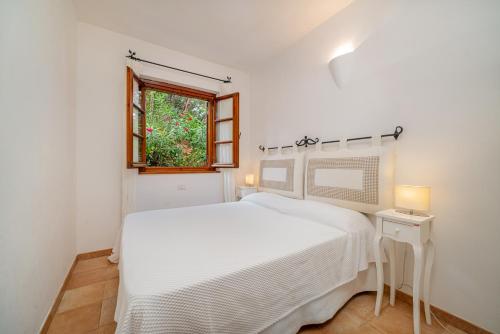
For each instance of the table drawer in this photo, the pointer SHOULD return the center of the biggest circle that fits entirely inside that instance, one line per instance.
(398, 231)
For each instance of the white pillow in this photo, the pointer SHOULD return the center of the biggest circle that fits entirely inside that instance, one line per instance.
(357, 179)
(282, 174)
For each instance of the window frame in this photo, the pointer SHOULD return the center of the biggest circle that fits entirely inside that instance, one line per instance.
(235, 141)
(212, 99)
(131, 76)
(192, 93)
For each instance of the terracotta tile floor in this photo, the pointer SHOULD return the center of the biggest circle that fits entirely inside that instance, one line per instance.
(89, 303)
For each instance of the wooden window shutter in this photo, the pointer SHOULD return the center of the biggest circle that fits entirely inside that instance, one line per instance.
(226, 131)
(136, 121)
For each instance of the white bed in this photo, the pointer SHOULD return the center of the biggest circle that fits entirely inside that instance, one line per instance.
(265, 264)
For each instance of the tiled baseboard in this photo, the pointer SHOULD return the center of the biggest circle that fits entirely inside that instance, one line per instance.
(94, 254)
(443, 315)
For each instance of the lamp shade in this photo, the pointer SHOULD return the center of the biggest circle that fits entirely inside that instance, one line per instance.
(415, 198)
(249, 179)
(341, 68)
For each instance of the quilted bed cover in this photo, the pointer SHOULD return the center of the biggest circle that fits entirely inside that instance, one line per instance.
(235, 267)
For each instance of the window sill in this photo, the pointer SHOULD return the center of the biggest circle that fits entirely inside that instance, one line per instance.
(171, 170)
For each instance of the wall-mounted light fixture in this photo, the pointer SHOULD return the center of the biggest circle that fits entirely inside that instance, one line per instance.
(341, 64)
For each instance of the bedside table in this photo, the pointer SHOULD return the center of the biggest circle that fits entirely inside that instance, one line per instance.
(415, 230)
(246, 190)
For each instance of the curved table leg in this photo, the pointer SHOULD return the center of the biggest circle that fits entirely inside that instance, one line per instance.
(429, 259)
(417, 274)
(378, 249)
(392, 266)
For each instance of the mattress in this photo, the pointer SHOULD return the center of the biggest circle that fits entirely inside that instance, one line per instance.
(235, 267)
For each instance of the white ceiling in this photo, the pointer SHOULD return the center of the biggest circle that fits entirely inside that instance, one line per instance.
(238, 33)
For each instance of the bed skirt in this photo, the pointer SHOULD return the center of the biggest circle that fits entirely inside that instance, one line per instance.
(324, 308)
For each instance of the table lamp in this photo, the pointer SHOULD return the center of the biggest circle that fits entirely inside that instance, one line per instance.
(412, 200)
(249, 180)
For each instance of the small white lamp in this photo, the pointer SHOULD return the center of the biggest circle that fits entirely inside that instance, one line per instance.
(249, 180)
(413, 200)
(341, 64)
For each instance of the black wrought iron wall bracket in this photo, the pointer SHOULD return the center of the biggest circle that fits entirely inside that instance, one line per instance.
(397, 132)
(306, 141)
(131, 55)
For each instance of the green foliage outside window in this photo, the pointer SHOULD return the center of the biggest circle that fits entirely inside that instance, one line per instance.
(176, 130)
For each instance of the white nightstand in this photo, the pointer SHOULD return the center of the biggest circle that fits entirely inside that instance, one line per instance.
(415, 230)
(245, 190)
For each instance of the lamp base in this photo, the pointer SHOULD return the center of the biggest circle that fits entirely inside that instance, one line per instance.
(412, 212)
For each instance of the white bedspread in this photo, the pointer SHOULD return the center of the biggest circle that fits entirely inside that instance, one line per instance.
(234, 267)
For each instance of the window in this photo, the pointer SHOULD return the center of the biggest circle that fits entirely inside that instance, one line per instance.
(175, 129)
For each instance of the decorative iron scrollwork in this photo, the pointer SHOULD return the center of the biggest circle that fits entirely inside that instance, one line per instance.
(397, 132)
(307, 141)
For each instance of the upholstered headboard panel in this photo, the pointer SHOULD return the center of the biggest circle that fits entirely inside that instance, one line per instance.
(282, 174)
(358, 179)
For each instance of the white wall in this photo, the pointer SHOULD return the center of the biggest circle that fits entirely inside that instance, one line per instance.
(166, 191)
(432, 67)
(103, 190)
(37, 229)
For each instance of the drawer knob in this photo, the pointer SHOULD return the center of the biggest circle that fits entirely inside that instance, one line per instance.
(397, 231)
